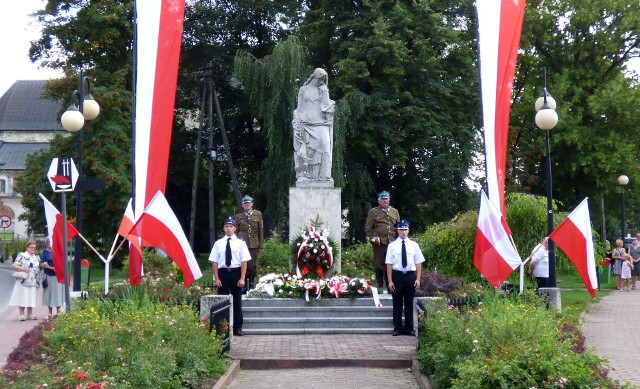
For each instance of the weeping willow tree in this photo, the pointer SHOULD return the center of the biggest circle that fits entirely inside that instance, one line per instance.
(271, 85)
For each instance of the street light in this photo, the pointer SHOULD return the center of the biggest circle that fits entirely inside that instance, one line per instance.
(623, 181)
(73, 119)
(546, 119)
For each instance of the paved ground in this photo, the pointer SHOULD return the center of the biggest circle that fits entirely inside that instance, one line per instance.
(611, 329)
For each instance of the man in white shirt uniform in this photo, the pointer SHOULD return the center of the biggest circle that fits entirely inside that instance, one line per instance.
(404, 265)
(229, 257)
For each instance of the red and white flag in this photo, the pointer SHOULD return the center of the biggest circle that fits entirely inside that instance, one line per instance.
(499, 28)
(54, 232)
(493, 255)
(135, 249)
(162, 230)
(158, 39)
(574, 237)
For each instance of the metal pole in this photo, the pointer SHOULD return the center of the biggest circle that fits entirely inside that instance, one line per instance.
(212, 225)
(624, 222)
(232, 171)
(196, 169)
(78, 242)
(67, 295)
(551, 245)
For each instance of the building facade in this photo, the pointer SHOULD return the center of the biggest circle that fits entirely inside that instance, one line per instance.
(28, 123)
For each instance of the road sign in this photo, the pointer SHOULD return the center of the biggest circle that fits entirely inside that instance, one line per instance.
(5, 221)
(62, 175)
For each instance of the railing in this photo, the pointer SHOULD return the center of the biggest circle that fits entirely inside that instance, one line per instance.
(219, 316)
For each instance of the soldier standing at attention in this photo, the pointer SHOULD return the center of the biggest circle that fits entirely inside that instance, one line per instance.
(380, 230)
(250, 229)
(229, 257)
(404, 266)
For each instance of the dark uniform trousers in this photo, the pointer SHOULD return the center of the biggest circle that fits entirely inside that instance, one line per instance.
(229, 278)
(403, 295)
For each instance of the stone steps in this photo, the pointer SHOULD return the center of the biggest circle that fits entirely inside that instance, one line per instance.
(324, 316)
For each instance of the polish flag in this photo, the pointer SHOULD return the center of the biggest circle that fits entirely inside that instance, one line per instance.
(135, 249)
(493, 255)
(162, 230)
(499, 28)
(574, 238)
(158, 39)
(54, 232)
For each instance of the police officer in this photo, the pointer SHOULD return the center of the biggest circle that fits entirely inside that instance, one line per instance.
(250, 229)
(229, 257)
(380, 230)
(404, 265)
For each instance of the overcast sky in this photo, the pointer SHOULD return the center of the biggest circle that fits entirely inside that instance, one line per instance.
(17, 32)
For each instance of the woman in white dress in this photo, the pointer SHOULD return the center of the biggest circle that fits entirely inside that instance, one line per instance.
(25, 291)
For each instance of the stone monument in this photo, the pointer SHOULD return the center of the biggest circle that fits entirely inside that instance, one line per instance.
(314, 197)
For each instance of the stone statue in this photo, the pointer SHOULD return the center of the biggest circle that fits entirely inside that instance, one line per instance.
(313, 129)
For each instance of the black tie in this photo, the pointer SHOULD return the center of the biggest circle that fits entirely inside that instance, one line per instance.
(404, 255)
(227, 253)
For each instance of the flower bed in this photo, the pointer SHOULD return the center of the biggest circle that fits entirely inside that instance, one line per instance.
(292, 286)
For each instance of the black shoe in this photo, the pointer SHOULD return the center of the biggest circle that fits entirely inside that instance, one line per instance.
(410, 333)
(396, 333)
(238, 333)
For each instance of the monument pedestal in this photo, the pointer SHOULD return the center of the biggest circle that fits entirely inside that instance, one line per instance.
(310, 203)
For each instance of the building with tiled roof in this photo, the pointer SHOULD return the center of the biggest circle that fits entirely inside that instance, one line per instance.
(28, 123)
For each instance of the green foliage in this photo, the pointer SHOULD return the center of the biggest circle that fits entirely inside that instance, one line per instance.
(274, 258)
(127, 344)
(357, 261)
(448, 247)
(505, 343)
(596, 139)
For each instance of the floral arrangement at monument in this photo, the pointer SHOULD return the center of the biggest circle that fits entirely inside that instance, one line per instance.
(313, 252)
(292, 286)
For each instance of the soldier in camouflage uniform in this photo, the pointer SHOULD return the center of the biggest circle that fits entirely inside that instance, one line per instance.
(380, 229)
(250, 229)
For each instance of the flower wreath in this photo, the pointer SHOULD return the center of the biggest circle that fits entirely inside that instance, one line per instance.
(313, 252)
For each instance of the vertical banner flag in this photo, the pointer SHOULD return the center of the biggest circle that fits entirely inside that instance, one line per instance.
(499, 28)
(54, 232)
(159, 36)
(573, 236)
(163, 230)
(126, 225)
(493, 254)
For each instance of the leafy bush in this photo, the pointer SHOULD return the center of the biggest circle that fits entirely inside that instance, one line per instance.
(274, 258)
(357, 261)
(126, 345)
(506, 343)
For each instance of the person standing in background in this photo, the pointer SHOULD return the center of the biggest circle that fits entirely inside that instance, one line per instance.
(25, 290)
(53, 292)
(380, 231)
(634, 251)
(539, 266)
(250, 229)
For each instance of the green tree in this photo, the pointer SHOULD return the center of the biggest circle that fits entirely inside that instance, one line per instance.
(106, 155)
(585, 47)
(70, 41)
(415, 63)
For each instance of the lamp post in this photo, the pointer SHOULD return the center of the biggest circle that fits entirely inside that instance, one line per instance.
(623, 181)
(546, 119)
(73, 119)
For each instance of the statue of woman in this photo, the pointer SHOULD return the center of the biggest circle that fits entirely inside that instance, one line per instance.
(313, 129)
